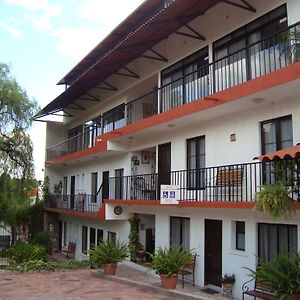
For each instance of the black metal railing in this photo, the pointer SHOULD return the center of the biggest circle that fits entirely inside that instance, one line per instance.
(267, 55)
(238, 182)
(89, 203)
(74, 144)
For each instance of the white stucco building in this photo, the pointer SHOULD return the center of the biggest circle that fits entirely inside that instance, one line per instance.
(183, 93)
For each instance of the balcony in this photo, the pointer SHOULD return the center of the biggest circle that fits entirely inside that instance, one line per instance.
(83, 203)
(228, 183)
(258, 59)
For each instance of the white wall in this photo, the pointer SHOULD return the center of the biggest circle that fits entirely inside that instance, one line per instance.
(74, 230)
(233, 261)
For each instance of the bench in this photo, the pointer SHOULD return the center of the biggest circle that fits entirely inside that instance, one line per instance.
(70, 250)
(188, 269)
(259, 291)
(231, 179)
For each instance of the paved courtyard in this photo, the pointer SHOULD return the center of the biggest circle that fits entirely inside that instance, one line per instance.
(75, 284)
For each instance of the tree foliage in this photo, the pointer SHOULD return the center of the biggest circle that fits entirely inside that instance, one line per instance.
(16, 112)
(16, 207)
(16, 162)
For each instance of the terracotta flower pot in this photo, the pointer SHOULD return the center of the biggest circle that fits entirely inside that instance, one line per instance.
(109, 269)
(168, 282)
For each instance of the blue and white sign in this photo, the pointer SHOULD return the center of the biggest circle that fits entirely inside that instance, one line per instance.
(169, 194)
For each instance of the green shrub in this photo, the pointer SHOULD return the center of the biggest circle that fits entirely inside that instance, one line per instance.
(21, 252)
(281, 274)
(108, 252)
(42, 238)
(169, 261)
(39, 265)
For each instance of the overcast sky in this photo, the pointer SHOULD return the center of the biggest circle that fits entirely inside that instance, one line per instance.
(43, 39)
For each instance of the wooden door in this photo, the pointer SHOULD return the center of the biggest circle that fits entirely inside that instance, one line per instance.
(105, 185)
(164, 165)
(213, 252)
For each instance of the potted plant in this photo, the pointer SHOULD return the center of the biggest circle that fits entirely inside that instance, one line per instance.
(281, 275)
(167, 262)
(109, 253)
(275, 199)
(228, 281)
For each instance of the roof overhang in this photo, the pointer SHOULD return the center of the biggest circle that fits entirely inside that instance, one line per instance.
(291, 152)
(148, 25)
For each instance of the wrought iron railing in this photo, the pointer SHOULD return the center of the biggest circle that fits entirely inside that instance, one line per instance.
(267, 55)
(74, 144)
(237, 182)
(88, 203)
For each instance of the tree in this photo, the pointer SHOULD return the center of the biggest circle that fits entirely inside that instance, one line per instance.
(16, 112)
(16, 162)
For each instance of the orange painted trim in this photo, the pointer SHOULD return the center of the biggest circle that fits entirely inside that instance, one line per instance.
(62, 211)
(182, 204)
(101, 212)
(99, 147)
(270, 80)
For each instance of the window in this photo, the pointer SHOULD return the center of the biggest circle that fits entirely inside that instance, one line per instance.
(196, 163)
(94, 187)
(235, 64)
(185, 81)
(92, 238)
(276, 238)
(276, 134)
(111, 236)
(84, 239)
(99, 236)
(75, 136)
(180, 232)
(240, 235)
(114, 118)
(92, 128)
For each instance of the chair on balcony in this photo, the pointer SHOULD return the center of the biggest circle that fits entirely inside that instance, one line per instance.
(229, 183)
(142, 189)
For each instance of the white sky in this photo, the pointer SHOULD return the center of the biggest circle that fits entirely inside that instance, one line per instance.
(43, 39)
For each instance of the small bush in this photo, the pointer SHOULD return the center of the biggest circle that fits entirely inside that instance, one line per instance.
(170, 260)
(39, 265)
(31, 265)
(107, 251)
(22, 252)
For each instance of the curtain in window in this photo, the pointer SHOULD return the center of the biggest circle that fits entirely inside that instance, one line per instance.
(180, 232)
(276, 238)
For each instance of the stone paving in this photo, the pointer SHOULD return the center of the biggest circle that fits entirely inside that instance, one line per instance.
(68, 285)
(131, 282)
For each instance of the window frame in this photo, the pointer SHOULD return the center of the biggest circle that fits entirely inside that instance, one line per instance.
(199, 171)
(278, 225)
(277, 122)
(237, 232)
(181, 219)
